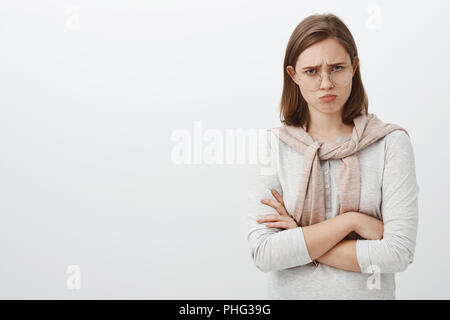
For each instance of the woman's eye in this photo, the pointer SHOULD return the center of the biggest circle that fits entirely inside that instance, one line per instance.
(340, 68)
(310, 73)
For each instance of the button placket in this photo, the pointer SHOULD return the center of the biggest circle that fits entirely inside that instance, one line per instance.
(327, 185)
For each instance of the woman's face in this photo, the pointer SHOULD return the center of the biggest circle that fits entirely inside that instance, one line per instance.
(322, 55)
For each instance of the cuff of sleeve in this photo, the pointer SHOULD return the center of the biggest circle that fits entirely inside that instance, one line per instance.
(301, 249)
(362, 254)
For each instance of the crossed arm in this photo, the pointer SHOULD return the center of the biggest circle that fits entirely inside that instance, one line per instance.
(342, 256)
(389, 250)
(324, 240)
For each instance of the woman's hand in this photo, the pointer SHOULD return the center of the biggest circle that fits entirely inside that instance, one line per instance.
(283, 219)
(368, 227)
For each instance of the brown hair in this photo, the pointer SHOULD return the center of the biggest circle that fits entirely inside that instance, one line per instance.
(315, 28)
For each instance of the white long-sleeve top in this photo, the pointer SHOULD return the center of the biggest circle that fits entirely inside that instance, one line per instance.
(389, 191)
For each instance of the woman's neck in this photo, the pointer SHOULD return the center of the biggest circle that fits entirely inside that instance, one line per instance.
(324, 133)
(328, 127)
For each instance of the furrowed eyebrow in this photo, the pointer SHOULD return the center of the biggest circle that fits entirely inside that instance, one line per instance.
(331, 65)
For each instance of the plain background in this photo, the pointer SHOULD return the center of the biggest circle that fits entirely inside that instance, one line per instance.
(92, 91)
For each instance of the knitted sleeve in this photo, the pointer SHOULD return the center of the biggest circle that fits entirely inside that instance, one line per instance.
(399, 209)
(271, 248)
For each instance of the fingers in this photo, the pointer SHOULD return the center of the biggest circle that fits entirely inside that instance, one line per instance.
(273, 203)
(271, 217)
(277, 196)
(276, 204)
(279, 224)
(276, 221)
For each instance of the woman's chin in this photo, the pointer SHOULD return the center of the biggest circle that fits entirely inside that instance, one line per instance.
(329, 107)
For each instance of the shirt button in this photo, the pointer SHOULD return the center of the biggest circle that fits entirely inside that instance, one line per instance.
(326, 171)
(327, 186)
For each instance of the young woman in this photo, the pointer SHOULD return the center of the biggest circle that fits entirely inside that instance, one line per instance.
(338, 217)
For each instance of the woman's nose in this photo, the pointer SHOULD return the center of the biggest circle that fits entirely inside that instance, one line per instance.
(325, 82)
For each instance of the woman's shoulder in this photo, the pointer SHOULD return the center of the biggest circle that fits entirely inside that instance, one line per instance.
(397, 134)
(398, 149)
(268, 143)
(397, 139)
(267, 138)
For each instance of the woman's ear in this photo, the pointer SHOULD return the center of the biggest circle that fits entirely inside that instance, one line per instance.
(291, 71)
(355, 64)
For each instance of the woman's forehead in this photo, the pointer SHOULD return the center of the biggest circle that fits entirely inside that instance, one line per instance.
(326, 52)
(326, 59)
(318, 64)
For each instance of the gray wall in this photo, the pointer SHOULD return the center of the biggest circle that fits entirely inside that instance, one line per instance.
(94, 202)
